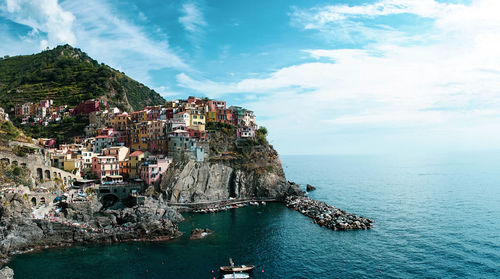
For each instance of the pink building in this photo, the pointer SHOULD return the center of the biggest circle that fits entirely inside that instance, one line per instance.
(214, 105)
(47, 143)
(105, 166)
(152, 168)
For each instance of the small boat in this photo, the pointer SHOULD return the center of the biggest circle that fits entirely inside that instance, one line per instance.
(236, 276)
(236, 268)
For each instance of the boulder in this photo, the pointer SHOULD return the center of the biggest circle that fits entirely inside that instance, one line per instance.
(199, 233)
(309, 188)
(6, 273)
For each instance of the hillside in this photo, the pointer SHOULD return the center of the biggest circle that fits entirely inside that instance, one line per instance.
(9, 132)
(67, 75)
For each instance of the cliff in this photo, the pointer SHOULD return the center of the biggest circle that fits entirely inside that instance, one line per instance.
(68, 76)
(82, 222)
(235, 169)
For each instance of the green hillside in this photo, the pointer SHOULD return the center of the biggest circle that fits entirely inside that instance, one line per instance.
(67, 75)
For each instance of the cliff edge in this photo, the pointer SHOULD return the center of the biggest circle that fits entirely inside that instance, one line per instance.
(240, 169)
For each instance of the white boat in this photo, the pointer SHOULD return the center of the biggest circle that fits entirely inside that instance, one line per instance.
(236, 276)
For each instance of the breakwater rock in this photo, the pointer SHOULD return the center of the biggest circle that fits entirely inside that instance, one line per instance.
(328, 216)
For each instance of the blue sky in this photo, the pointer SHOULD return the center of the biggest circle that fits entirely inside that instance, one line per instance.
(325, 77)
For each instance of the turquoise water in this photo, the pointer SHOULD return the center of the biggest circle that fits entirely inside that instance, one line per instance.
(435, 217)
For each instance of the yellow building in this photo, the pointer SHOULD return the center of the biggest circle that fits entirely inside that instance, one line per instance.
(120, 122)
(211, 116)
(139, 136)
(71, 165)
(134, 160)
(197, 120)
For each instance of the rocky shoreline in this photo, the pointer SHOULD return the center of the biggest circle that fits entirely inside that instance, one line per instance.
(81, 223)
(328, 216)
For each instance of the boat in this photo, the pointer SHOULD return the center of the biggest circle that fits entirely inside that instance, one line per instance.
(236, 268)
(236, 276)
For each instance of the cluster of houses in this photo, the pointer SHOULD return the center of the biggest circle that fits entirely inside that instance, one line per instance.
(120, 146)
(41, 113)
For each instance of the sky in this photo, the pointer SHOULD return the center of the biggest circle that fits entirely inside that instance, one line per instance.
(325, 77)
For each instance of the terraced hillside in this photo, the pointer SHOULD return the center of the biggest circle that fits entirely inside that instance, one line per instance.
(68, 75)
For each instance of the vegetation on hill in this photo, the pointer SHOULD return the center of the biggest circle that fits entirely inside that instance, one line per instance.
(68, 76)
(14, 175)
(63, 131)
(9, 132)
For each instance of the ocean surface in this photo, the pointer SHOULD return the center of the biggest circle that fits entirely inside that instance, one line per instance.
(436, 216)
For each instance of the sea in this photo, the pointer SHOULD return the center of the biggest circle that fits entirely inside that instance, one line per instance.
(435, 215)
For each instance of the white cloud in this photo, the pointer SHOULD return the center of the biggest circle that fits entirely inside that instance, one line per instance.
(448, 82)
(342, 22)
(192, 18)
(97, 29)
(42, 15)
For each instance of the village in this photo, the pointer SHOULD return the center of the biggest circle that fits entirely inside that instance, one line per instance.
(120, 154)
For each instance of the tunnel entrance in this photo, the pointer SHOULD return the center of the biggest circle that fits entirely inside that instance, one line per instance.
(109, 200)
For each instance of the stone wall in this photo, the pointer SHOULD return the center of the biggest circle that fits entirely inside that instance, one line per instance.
(37, 166)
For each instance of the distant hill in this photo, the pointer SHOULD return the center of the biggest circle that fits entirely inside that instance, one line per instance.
(68, 75)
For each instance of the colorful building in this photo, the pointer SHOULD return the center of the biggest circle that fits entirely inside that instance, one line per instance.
(152, 169)
(245, 132)
(134, 160)
(105, 166)
(88, 106)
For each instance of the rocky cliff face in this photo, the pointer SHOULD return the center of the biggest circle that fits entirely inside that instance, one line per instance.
(253, 171)
(84, 222)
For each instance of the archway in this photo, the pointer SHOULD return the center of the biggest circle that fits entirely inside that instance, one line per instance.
(42, 200)
(109, 200)
(23, 165)
(47, 174)
(15, 163)
(33, 201)
(39, 173)
(5, 160)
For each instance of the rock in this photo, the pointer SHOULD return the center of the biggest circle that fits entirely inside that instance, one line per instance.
(83, 222)
(309, 188)
(327, 216)
(260, 175)
(6, 273)
(199, 233)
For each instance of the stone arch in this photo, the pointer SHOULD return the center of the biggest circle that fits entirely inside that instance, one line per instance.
(55, 174)
(60, 175)
(15, 163)
(5, 160)
(33, 201)
(39, 173)
(23, 165)
(43, 201)
(109, 200)
(47, 174)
